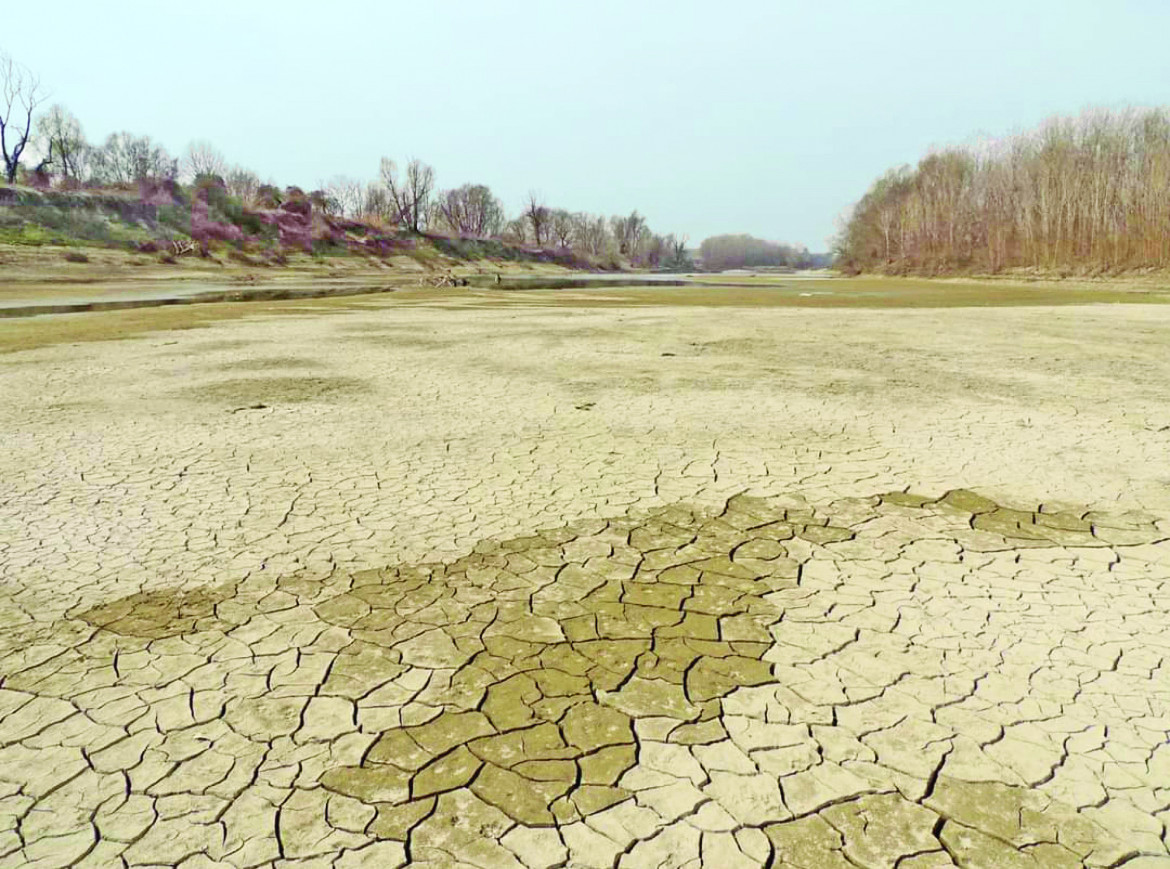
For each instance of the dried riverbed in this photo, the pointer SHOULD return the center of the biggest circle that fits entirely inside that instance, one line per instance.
(626, 577)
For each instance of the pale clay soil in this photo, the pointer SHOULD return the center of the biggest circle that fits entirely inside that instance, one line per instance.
(510, 586)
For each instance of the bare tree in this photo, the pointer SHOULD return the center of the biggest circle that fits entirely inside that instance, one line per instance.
(537, 215)
(126, 158)
(243, 184)
(377, 203)
(630, 234)
(560, 227)
(59, 132)
(677, 256)
(516, 231)
(347, 195)
(411, 194)
(655, 250)
(1078, 193)
(20, 94)
(591, 233)
(202, 158)
(470, 210)
(744, 251)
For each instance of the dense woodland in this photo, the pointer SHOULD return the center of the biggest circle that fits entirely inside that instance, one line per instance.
(1076, 195)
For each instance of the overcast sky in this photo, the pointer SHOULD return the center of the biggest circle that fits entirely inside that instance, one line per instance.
(716, 116)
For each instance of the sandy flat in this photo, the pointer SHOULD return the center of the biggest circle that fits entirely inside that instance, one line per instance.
(469, 582)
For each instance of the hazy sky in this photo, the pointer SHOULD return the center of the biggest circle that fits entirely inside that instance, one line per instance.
(714, 116)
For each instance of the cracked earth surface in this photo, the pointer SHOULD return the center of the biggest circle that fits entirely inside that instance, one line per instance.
(523, 586)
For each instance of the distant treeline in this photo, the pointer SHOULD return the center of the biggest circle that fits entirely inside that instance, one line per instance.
(47, 148)
(1084, 194)
(400, 198)
(406, 198)
(409, 199)
(722, 252)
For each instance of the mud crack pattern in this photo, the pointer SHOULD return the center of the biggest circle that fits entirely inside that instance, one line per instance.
(871, 682)
(477, 586)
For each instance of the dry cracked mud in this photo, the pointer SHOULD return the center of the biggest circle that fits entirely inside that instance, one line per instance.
(558, 607)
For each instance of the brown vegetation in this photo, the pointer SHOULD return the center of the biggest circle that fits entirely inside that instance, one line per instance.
(722, 252)
(1086, 194)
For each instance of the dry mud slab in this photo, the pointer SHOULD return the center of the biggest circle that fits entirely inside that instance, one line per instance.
(489, 584)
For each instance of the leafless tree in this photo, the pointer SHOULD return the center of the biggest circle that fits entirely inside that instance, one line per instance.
(377, 204)
(591, 234)
(411, 194)
(59, 134)
(537, 215)
(677, 257)
(1087, 193)
(125, 158)
(630, 233)
(744, 251)
(203, 158)
(516, 231)
(243, 184)
(655, 250)
(560, 227)
(470, 210)
(346, 194)
(20, 94)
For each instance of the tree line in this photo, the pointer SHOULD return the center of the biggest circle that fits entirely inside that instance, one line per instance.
(721, 252)
(403, 196)
(408, 196)
(1084, 193)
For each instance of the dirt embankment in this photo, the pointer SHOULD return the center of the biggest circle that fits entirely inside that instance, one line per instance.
(54, 234)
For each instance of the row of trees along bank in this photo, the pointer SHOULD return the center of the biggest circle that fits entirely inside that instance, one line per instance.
(46, 147)
(1075, 195)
